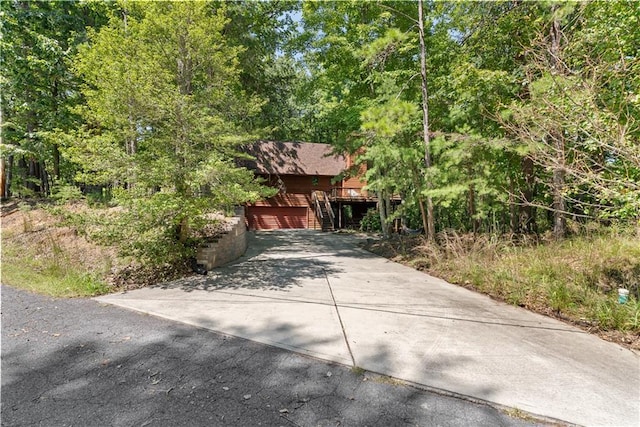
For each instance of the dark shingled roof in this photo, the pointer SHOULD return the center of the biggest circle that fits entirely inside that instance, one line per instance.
(294, 158)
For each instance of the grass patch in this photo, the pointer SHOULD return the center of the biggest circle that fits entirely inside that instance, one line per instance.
(576, 279)
(519, 414)
(50, 272)
(384, 379)
(358, 370)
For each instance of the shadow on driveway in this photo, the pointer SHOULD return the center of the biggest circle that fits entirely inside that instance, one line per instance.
(76, 362)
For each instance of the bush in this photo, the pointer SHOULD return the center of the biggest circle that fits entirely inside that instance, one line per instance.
(371, 221)
(64, 193)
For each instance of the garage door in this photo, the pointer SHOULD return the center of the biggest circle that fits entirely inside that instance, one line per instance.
(269, 218)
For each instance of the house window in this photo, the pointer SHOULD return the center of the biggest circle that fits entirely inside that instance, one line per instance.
(314, 181)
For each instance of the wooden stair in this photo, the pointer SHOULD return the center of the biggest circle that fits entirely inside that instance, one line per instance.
(324, 211)
(326, 223)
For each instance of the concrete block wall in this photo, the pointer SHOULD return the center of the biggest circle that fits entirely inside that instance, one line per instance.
(228, 247)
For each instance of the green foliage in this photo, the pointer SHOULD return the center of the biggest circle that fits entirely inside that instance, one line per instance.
(64, 193)
(37, 85)
(55, 274)
(371, 221)
(155, 97)
(576, 279)
(622, 317)
(165, 112)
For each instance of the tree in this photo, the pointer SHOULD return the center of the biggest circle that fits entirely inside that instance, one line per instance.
(367, 62)
(428, 218)
(268, 70)
(577, 126)
(164, 114)
(38, 88)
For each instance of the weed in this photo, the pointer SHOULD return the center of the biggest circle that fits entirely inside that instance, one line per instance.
(517, 295)
(48, 271)
(384, 379)
(559, 297)
(27, 221)
(518, 413)
(577, 277)
(358, 370)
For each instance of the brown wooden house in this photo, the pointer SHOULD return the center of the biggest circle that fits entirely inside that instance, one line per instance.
(315, 192)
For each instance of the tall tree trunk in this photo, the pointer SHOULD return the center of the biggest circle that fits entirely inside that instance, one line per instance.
(558, 184)
(9, 176)
(415, 176)
(22, 168)
(4, 188)
(56, 162)
(131, 145)
(184, 230)
(44, 180)
(472, 209)
(3, 179)
(431, 229)
(34, 172)
(423, 213)
(382, 211)
(513, 211)
(528, 211)
(389, 209)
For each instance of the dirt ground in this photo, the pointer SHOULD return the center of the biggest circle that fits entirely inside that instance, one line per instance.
(26, 225)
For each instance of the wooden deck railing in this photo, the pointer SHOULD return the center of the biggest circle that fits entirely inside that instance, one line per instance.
(355, 194)
(349, 193)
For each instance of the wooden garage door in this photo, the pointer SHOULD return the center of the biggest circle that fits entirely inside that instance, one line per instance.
(269, 218)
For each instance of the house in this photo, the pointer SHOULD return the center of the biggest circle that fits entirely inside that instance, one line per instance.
(315, 189)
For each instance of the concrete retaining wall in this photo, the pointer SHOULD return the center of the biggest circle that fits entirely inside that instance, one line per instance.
(228, 247)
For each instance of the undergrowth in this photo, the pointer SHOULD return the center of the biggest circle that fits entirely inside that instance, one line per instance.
(74, 248)
(54, 273)
(576, 279)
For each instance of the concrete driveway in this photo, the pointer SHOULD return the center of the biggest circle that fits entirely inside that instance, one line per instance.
(320, 294)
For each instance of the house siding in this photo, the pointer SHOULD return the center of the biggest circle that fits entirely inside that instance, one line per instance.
(298, 169)
(283, 210)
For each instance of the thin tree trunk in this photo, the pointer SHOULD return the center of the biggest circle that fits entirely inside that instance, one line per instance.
(22, 168)
(3, 167)
(382, 213)
(425, 225)
(183, 230)
(472, 209)
(9, 176)
(559, 205)
(528, 214)
(44, 180)
(56, 162)
(3, 179)
(388, 208)
(31, 185)
(416, 183)
(513, 211)
(130, 143)
(558, 185)
(430, 230)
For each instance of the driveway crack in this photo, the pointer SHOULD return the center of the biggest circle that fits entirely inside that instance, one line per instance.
(335, 305)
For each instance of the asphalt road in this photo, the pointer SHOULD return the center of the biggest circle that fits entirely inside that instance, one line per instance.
(75, 362)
